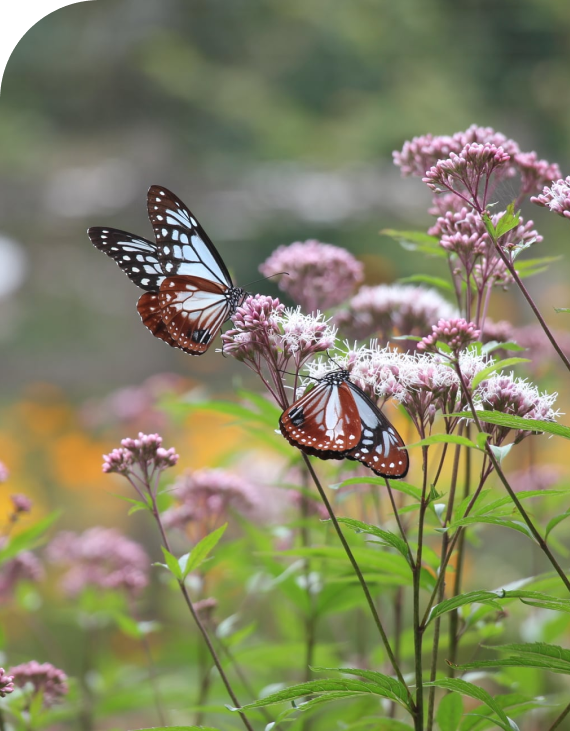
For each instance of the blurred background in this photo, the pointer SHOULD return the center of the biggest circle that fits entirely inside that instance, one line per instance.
(275, 122)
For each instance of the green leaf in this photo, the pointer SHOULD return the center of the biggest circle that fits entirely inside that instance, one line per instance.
(555, 666)
(29, 538)
(427, 279)
(482, 375)
(509, 220)
(416, 241)
(356, 687)
(473, 691)
(493, 597)
(190, 561)
(444, 439)
(449, 712)
(172, 564)
(529, 264)
(503, 522)
(507, 501)
(399, 485)
(518, 422)
(495, 345)
(555, 521)
(562, 309)
(387, 683)
(386, 537)
(555, 605)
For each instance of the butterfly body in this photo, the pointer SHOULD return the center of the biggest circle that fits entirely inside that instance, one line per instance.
(189, 293)
(336, 420)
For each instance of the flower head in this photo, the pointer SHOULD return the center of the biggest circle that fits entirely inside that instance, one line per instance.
(557, 197)
(386, 310)
(535, 173)
(268, 336)
(319, 276)
(516, 396)
(207, 496)
(422, 153)
(142, 459)
(464, 173)
(457, 334)
(21, 503)
(6, 683)
(99, 557)
(42, 678)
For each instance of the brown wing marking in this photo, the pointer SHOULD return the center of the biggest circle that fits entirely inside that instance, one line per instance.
(148, 307)
(380, 447)
(193, 310)
(323, 422)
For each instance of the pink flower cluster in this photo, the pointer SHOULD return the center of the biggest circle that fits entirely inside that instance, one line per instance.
(392, 309)
(4, 473)
(42, 677)
(99, 557)
(270, 338)
(556, 198)
(144, 451)
(6, 683)
(319, 276)
(422, 153)
(207, 497)
(464, 173)
(456, 334)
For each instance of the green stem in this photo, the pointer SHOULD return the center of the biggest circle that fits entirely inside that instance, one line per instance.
(539, 539)
(360, 577)
(399, 522)
(441, 592)
(560, 718)
(198, 622)
(416, 574)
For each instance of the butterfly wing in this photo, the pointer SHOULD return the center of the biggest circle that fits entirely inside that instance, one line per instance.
(380, 447)
(148, 307)
(193, 311)
(185, 248)
(324, 422)
(137, 257)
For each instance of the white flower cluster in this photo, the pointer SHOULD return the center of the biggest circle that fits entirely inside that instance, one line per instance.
(302, 333)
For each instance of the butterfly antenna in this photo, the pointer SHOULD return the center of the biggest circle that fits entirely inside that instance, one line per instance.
(329, 356)
(277, 274)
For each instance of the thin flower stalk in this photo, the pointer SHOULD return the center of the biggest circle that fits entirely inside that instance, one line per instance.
(141, 461)
(539, 539)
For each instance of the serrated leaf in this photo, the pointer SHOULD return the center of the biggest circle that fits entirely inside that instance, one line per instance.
(517, 422)
(503, 522)
(473, 691)
(492, 598)
(509, 220)
(386, 537)
(357, 687)
(449, 712)
(200, 551)
(172, 564)
(386, 682)
(505, 363)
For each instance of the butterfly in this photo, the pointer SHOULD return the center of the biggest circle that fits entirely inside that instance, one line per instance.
(189, 293)
(337, 420)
